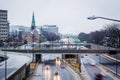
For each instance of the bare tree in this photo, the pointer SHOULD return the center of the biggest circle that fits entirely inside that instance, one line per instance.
(113, 33)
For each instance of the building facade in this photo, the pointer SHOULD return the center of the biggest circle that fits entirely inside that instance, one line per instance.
(50, 28)
(4, 25)
(15, 30)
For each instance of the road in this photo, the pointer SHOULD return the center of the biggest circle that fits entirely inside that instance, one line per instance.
(64, 73)
(98, 59)
(107, 62)
(14, 62)
(93, 70)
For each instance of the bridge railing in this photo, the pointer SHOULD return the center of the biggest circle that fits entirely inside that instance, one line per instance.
(64, 51)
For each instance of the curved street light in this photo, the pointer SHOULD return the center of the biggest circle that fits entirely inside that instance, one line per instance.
(97, 17)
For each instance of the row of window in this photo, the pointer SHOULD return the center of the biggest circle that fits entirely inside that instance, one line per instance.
(3, 34)
(3, 28)
(3, 14)
(3, 24)
(3, 17)
(3, 21)
(3, 38)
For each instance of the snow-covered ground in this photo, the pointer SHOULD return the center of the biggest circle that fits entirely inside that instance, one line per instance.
(15, 61)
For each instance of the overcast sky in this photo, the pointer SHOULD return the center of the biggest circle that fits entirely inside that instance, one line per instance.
(69, 15)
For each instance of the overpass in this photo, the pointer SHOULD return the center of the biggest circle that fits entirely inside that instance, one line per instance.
(64, 51)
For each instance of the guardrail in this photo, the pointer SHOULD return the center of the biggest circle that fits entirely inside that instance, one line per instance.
(62, 51)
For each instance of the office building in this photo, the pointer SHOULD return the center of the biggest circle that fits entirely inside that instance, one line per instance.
(50, 28)
(4, 25)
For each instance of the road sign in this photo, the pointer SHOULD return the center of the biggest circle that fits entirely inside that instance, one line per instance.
(32, 65)
(78, 43)
(77, 66)
(85, 42)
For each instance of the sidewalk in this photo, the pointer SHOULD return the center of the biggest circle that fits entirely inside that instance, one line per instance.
(37, 74)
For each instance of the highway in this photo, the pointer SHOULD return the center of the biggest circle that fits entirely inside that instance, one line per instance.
(106, 62)
(91, 61)
(92, 70)
(63, 73)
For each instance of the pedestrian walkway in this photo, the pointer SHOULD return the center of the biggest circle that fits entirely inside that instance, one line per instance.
(38, 73)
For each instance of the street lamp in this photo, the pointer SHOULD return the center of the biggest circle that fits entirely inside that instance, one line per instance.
(5, 53)
(97, 17)
(33, 44)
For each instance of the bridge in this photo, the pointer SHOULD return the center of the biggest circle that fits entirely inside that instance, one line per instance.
(64, 51)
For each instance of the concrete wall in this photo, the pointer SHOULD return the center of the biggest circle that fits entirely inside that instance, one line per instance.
(20, 74)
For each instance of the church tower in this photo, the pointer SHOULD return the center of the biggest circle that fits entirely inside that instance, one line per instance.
(33, 22)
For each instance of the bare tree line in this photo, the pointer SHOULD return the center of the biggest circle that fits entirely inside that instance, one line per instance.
(108, 36)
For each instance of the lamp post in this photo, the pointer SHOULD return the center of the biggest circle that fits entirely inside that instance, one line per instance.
(39, 41)
(97, 17)
(5, 53)
(33, 44)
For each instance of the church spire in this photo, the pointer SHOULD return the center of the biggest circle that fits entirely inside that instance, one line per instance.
(33, 22)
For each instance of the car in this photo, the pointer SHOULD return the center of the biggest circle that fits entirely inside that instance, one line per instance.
(58, 61)
(93, 64)
(82, 56)
(98, 76)
(56, 73)
(97, 54)
(56, 76)
(47, 68)
(91, 61)
(85, 54)
(62, 66)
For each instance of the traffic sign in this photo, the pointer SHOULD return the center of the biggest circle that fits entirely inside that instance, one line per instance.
(32, 65)
(85, 42)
